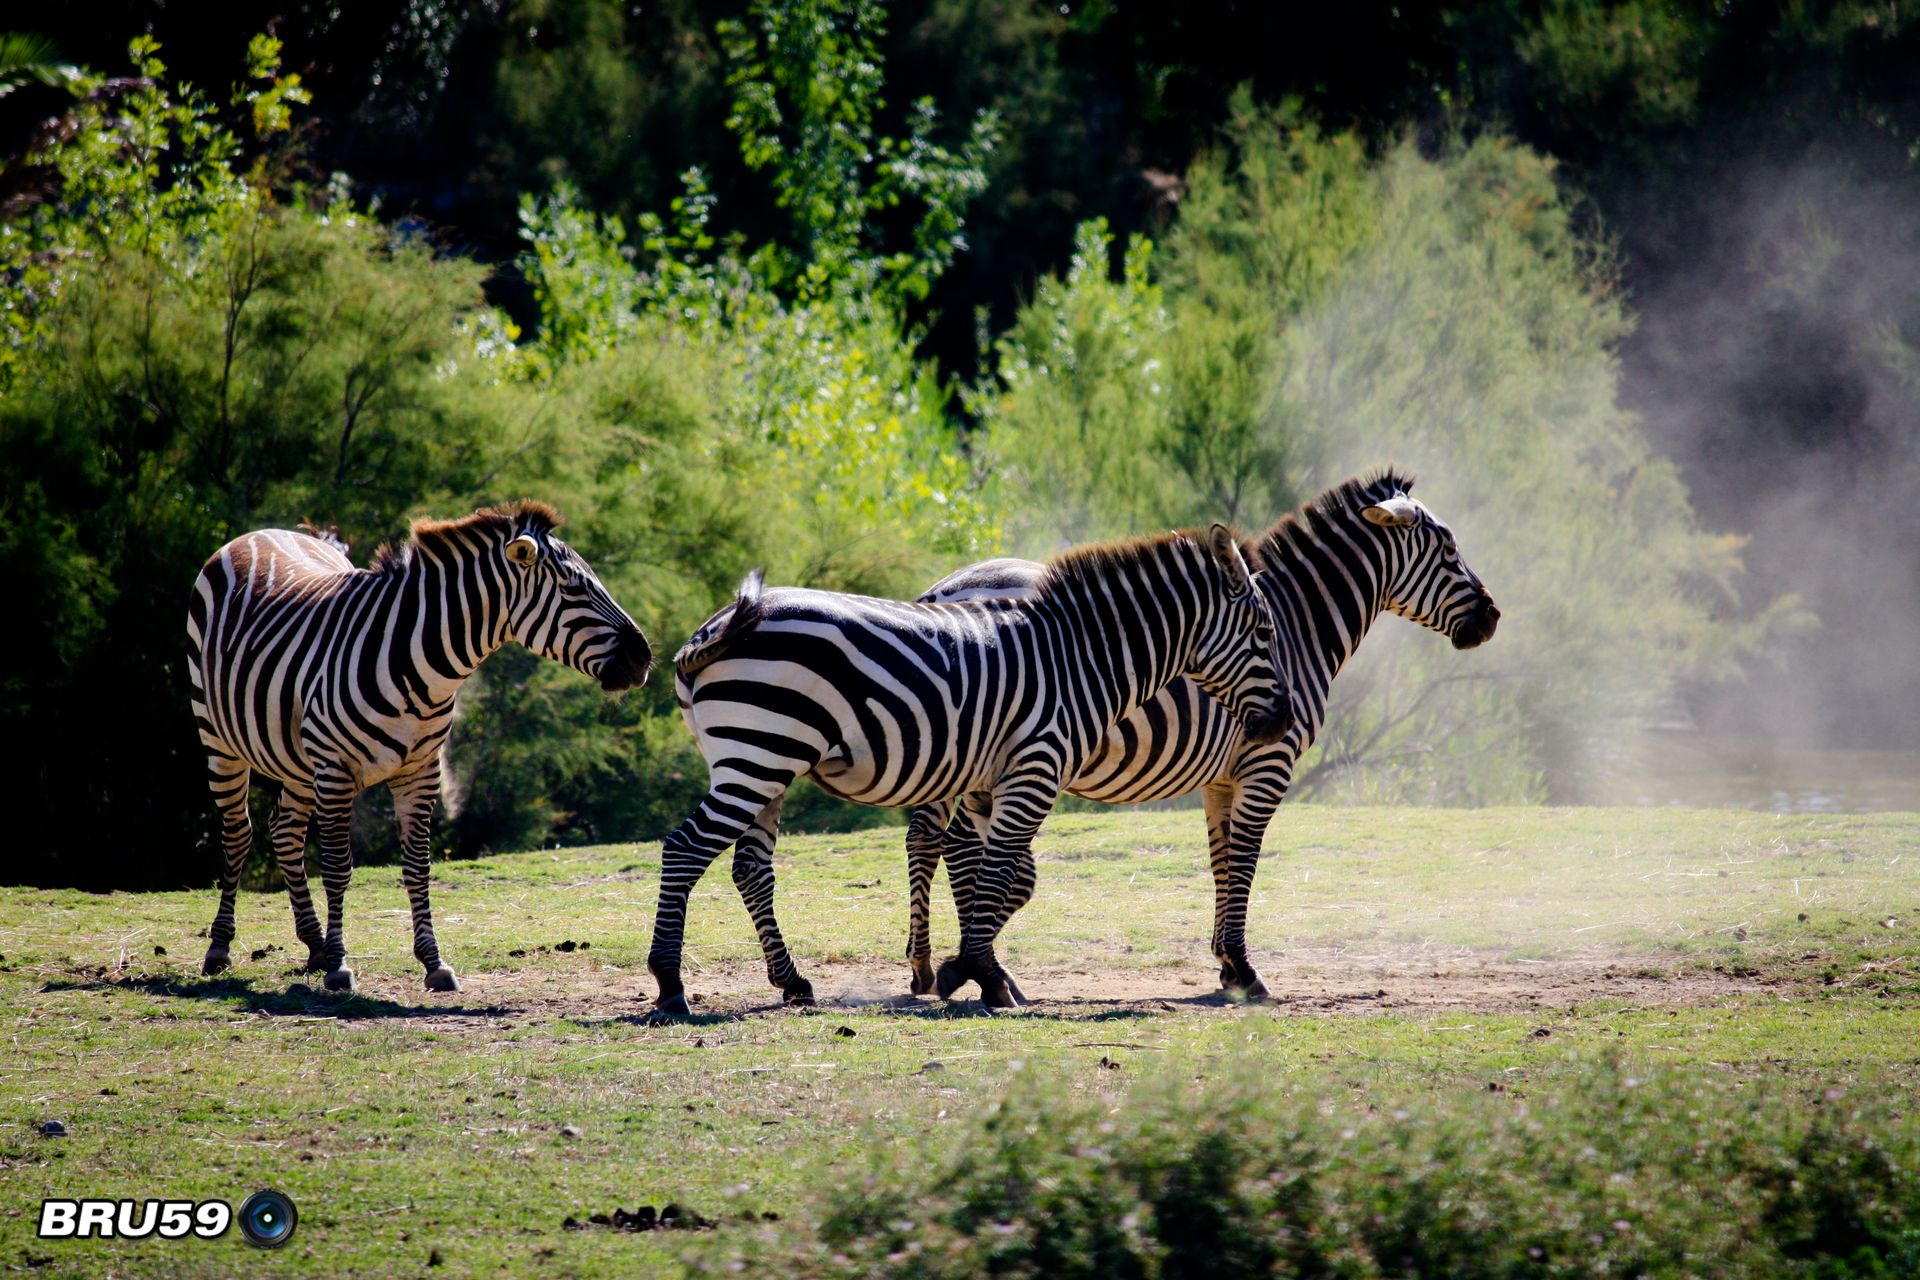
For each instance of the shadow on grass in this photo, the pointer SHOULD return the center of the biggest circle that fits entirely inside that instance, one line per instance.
(295, 1001)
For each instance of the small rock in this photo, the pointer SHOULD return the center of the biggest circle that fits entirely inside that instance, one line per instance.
(1541, 1033)
(570, 1131)
(109, 1093)
(600, 1219)
(585, 945)
(52, 1129)
(159, 951)
(433, 1258)
(571, 1224)
(260, 953)
(568, 945)
(1891, 922)
(846, 1033)
(516, 953)
(928, 1068)
(1108, 1064)
(1803, 917)
(1739, 935)
(699, 1042)
(1494, 1086)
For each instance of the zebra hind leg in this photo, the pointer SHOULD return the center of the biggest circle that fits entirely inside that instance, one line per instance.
(722, 819)
(926, 834)
(334, 810)
(753, 877)
(288, 831)
(228, 779)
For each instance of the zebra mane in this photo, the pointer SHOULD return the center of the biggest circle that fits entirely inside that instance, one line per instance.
(1337, 505)
(1098, 561)
(509, 517)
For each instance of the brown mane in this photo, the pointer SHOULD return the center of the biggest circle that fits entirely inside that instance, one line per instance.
(1097, 561)
(1337, 505)
(525, 515)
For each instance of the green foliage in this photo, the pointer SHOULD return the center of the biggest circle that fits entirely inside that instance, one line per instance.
(806, 78)
(1077, 423)
(1621, 1172)
(191, 357)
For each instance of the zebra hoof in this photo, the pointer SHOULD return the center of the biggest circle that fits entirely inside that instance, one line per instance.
(800, 993)
(669, 1010)
(442, 979)
(922, 981)
(1242, 984)
(340, 979)
(998, 992)
(317, 962)
(216, 962)
(951, 977)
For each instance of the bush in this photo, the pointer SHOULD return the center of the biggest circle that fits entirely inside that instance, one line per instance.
(1613, 1175)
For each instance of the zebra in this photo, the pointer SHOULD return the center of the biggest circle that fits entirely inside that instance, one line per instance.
(1328, 570)
(329, 679)
(898, 704)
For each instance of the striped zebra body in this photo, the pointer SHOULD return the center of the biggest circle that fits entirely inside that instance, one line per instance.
(1327, 572)
(898, 704)
(329, 679)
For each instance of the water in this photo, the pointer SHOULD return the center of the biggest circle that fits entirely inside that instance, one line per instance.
(1706, 771)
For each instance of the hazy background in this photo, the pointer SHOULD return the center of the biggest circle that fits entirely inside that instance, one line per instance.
(1630, 285)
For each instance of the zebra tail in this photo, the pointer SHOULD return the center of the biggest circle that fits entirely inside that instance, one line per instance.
(719, 633)
(329, 534)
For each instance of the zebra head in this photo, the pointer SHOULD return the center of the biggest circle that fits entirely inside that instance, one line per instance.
(1427, 582)
(1237, 659)
(558, 607)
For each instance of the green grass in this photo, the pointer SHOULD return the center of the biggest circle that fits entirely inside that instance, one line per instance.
(1779, 956)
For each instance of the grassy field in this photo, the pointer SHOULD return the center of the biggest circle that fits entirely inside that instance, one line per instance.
(1437, 963)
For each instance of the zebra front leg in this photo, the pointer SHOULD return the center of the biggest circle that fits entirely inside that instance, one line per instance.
(1218, 800)
(926, 833)
(288, 830)
(753, 877)
(333, 808)
(1019, 805)
(964, 849)
(413, 801)
(1249, 829)
(228, 779)
(1235, 837)
(722, 819)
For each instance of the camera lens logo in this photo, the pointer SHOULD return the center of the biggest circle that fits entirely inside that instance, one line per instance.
(267, 1219)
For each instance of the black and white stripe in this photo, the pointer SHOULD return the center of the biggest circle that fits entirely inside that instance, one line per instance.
(1360, 549)
(997, 703)
(329, 679)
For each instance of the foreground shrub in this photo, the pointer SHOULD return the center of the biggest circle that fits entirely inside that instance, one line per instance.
(1614, 1176)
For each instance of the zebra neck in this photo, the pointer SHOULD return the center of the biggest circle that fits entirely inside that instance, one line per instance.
(1120, 652)
(447, 617)
(1325, 595)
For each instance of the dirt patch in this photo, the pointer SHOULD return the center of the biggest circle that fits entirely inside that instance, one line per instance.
(1304, 985)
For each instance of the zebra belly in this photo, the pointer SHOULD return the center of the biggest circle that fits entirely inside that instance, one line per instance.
(1177, 743)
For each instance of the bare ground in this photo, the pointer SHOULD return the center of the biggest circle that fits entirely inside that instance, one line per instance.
(1303, 984)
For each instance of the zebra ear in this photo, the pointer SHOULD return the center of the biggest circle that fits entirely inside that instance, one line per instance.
(524, 551)
(1396, 512)
(1226, 553)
